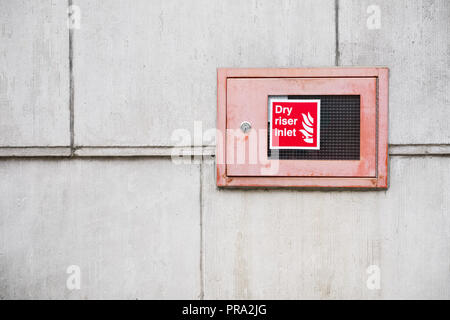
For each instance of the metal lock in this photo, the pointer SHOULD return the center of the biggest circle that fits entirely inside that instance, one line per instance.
(246, 126)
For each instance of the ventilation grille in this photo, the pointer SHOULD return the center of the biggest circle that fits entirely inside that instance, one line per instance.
(339, 131)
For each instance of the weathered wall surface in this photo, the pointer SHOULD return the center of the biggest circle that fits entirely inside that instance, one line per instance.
(79, 105)
(152, 65)
(34, 73)
(413, 43)
(131, 230)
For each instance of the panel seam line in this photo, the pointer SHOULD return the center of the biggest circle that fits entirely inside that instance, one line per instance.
(71, 87)
(336, 30)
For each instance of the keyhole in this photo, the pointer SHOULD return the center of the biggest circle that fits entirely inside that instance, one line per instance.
(246, 126)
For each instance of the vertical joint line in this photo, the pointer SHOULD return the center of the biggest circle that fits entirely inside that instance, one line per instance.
(336, 30)
(71, 86)
(202, 278)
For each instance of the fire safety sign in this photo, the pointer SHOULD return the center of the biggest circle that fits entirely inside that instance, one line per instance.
(294, 124)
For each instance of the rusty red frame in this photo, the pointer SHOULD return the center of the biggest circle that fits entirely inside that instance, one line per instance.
(315, 174)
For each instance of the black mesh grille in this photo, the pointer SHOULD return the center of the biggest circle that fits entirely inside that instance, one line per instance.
(339, 131)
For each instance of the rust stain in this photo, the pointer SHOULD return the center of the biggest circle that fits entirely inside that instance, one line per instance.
(226, 178)
(218, 176)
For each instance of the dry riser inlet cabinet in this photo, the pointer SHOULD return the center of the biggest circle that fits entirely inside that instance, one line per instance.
(306, 127)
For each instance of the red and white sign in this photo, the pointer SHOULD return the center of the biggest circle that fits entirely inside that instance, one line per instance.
(294, 124)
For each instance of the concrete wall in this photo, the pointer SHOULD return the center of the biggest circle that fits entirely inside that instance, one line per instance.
(86, 118)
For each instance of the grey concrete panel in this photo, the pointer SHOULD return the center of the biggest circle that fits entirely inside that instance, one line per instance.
(34, 73)
(132, 226)
(144, 70)
(413, 42)
(294, 244)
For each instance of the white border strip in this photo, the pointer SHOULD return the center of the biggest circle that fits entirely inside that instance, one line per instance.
(272, 101)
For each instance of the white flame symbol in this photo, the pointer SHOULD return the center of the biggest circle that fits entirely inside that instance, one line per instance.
(308, 129)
